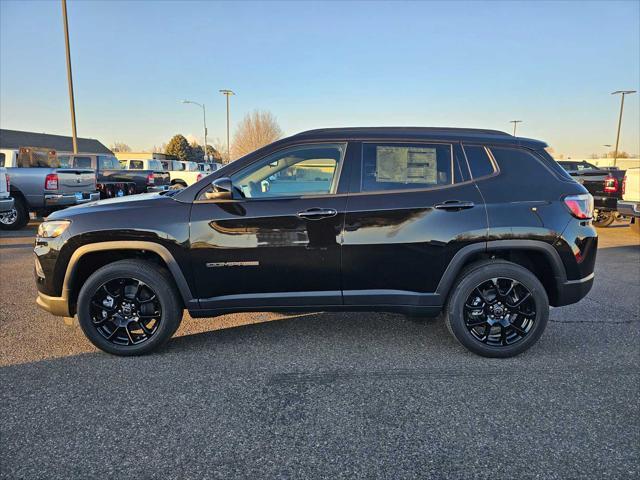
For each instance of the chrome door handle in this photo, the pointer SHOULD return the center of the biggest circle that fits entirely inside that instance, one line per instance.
(317, 213)
(454, 205)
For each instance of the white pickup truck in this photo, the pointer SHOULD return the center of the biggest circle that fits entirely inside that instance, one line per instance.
(183, 174)
(629, 206)
(6, 202)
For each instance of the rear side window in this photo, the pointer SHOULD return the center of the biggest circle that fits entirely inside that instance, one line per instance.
(1, 159)
(136, 164)
(82, 162)
(405, 166)
(479, 161)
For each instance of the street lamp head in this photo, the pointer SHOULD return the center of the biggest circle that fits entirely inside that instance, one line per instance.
(624, 92)
(227, 92)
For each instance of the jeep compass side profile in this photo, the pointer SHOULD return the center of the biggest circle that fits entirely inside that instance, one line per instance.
(479, 225)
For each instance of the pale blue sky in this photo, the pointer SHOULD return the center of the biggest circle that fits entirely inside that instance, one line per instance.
(475, 64)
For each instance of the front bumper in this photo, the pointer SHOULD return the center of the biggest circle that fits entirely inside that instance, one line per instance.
(58, 306)
(629, 209)
(6, 204)
(66, 200)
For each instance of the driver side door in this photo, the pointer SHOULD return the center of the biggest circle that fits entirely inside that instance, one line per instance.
(278, 242)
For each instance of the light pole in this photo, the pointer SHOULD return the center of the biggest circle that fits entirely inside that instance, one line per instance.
(228, 93)
(69, 77)
(204, 119)
(515, 124)
(623, 93)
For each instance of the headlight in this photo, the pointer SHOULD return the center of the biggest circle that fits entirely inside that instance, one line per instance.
(53, 228)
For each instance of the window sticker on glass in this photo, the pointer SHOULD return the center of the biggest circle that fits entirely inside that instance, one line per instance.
(406, 164)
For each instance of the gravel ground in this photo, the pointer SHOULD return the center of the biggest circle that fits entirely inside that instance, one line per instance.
(324, 395)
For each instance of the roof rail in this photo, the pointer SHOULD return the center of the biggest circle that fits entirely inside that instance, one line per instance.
(418, 129)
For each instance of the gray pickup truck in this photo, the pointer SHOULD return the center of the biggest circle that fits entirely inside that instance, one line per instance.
(39, 185)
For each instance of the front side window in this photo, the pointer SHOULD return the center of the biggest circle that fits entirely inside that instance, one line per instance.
(155, 165)
(405, 167)
(296, 171)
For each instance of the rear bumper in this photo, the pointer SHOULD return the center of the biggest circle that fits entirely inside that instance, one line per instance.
(58, 306)
(6, 204)
(65, 200)
(158, 188)
(605, 203)
(629, 209)
(572, 291)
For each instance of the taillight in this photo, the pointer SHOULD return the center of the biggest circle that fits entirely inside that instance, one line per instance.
(580, 206)
(151, 180)
(51, 182)
(610, 184)
(199, 177)
(624, 184)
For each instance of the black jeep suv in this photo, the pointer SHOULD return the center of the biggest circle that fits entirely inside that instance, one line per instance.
(480, 225)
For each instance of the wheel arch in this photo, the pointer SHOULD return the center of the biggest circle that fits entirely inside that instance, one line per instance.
(537, 256)
(87, 258)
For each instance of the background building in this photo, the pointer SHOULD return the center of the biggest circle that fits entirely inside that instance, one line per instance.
(14, 139)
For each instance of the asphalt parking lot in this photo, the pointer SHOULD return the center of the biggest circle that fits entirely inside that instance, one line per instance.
(324, 395)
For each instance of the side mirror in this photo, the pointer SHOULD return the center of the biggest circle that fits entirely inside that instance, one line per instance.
(222, 189)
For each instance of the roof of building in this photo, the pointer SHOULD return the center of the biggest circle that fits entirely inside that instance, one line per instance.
(15, 139)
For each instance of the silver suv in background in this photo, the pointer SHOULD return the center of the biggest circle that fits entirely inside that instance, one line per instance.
(39, 185)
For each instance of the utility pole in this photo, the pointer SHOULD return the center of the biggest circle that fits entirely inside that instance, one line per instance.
(204, 119)
(70, 77)
(515, 124)
(623, 93)
(228, 93)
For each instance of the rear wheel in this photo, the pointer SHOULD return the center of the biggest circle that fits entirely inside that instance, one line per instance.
(15, 218)
(603, 219)
(497, 309)
(129, 307)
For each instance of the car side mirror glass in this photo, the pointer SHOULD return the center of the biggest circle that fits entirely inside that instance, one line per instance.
(221, 189)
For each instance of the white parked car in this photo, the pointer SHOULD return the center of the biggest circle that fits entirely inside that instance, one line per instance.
(629, 206)
(183, 174)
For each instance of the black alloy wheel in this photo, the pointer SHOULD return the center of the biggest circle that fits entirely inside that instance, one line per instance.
(126, 311)
(129, 307)
(497, 308)
(500, 312)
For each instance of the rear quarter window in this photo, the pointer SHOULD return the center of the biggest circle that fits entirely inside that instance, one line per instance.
(530, 167)
(2, 159)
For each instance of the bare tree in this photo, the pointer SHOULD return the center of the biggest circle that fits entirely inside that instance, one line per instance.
(256, 130)
(120, 147)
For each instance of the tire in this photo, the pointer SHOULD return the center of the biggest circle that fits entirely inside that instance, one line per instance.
(531, 324)
(604, 219)
(109, 289)
(17, 217)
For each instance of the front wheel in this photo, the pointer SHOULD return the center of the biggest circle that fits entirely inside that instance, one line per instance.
(497, 309)
(603, 219)
(129, 307)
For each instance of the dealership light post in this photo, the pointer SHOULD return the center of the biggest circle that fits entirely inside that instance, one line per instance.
(228, 93)
(204, 120)
(515, 124)
(72, 106)
(622, 93)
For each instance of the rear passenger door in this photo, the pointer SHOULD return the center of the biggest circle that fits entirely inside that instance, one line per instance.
(411, 207)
